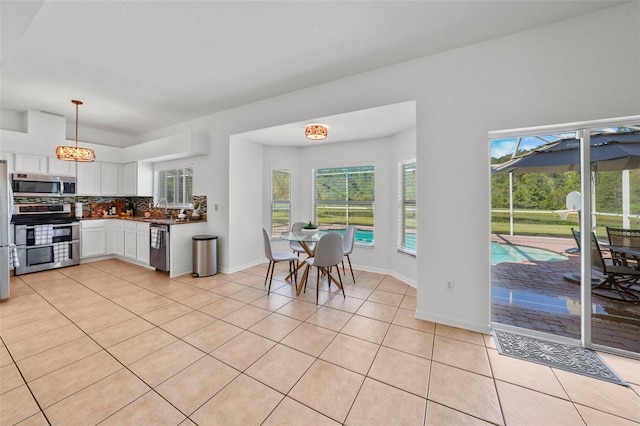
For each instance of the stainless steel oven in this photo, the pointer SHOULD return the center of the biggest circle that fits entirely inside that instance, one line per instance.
(46, 237)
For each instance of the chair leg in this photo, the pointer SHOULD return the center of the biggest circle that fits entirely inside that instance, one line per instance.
(292, 264)
(352, 276)
(271, 277)
(317, 285)
(341, 284)
(267, 276)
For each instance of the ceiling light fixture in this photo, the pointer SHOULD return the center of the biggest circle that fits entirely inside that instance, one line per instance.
(316, 131)
(73, 153)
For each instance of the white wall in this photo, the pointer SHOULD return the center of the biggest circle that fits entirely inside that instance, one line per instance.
(245, 203)
(565, 72)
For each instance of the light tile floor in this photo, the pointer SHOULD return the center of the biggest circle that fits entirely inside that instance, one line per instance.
(113, 343)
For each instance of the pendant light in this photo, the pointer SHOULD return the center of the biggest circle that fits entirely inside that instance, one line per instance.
(73, 153)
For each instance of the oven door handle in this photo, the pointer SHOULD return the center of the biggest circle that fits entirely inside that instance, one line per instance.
(24, 246)
(55, 225)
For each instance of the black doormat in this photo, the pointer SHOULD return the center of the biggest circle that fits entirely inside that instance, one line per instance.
(557, 355)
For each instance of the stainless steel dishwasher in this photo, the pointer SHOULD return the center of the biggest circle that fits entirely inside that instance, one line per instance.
(159, 239)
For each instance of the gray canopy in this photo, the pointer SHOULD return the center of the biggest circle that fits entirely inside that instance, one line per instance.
(608, 151)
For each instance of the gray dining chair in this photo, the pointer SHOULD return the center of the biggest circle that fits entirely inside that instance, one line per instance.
(295, 245)
(275, 257)
(328, 253)
(348, 240)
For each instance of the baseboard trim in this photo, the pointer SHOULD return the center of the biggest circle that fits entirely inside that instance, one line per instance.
(453, 322)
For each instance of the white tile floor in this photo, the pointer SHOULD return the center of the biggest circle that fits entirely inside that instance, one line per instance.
(112, 343)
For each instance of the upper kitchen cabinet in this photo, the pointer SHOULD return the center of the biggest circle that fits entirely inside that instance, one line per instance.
(136, 179)
(8, 157)
(29, 163)
(61, 167)
(108, 179)
(41, 164)
(88, 178)
(97, 178)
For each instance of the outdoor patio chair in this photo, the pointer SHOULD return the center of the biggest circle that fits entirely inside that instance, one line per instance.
(621, 237)
(619, 278)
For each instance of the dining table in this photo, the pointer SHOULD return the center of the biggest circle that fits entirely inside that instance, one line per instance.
(630, 253)
(308, 241)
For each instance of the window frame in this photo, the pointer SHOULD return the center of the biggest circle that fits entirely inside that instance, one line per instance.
(403, 203)
(347, 203)
(273, 201)
(186, 193)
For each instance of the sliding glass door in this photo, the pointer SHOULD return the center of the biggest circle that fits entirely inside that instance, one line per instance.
(556, 192)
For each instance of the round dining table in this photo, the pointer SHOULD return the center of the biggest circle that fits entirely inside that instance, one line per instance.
(305, 240)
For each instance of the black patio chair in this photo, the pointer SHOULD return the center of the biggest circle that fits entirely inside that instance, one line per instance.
(621, 237)
(619, 278)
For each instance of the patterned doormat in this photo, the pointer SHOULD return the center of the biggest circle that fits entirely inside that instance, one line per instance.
(570, 358)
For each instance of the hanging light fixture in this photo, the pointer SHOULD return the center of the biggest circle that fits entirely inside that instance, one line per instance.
(316, 131)
(73, 153)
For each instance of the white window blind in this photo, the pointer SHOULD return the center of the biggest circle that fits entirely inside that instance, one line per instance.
(280, 201)
(175, 185)
(344, 196)
(407, 235)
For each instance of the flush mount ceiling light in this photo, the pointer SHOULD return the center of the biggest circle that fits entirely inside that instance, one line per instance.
(73, 153)
(316, 131)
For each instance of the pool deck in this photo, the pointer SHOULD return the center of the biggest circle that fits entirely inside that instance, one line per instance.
(615, 323)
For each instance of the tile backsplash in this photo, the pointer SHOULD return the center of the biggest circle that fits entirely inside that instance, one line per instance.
(133, 203)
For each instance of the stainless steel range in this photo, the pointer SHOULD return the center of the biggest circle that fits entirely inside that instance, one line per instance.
(46, 237)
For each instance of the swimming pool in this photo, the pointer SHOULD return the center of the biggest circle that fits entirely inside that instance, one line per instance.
(501, 253)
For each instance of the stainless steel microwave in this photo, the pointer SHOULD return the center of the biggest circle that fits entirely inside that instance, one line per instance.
(26, 184)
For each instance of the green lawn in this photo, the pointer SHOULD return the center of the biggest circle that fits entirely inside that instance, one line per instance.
(547, 223)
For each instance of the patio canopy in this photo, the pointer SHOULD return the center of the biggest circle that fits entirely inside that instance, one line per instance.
(608, 151)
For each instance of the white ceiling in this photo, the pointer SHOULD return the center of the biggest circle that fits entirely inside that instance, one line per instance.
(139, 66)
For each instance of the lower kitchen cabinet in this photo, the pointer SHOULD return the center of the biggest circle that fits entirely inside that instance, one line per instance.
(142, 250)
(93, 235)
(115, 237)
(129, 240)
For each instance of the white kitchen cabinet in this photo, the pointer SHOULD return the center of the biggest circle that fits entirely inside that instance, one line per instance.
(115, 237)
(142, 250)
(29, 163)
(61, 167)
(137, 179)
(88, 179)
(8, 157)
(93, 238)
(108, 179)
(130, 240)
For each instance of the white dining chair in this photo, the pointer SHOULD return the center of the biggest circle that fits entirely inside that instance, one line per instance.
(328, 253)
(275, 258)
(348, 240)
(295, 245)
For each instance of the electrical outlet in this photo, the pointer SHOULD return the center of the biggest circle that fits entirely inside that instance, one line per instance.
(451, 285)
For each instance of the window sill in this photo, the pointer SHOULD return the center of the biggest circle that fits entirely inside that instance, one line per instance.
(407, 253)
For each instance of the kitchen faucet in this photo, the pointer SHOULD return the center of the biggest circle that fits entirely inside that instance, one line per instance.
(166, 205)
